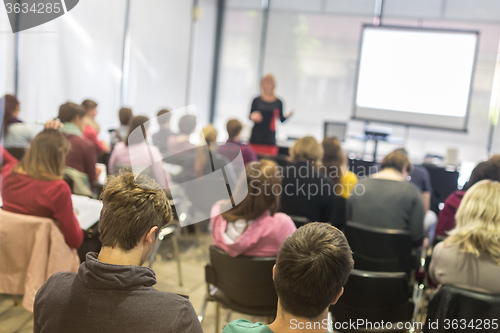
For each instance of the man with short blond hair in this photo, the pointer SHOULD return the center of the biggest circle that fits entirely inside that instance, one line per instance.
(112, 292)
(311, 269)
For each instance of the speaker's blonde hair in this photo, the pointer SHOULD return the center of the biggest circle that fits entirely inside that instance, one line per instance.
(267, 77)
(478, 221)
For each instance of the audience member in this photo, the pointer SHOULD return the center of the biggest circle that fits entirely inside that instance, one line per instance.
(470, 256)
(202, 164)
(312, 267)
(197, 162)
(306, 191)
(446, 221)
(91, 127)
(134, 151)
(6, 158)
(495, 160)
(179, 143)
(81, 156)
(120, 133)
(16, 133)
(335, 167)
(387, 200)
(112, 292)
(335, 163)
(160, 138)
(253, 227)
(230, 150)
(419, 175)
(35, 185)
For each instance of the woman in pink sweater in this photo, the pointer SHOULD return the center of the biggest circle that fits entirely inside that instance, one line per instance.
(253, 228)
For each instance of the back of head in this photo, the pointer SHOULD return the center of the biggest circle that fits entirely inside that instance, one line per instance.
(495, 159)
(125, 114)
(312, 267)
(89, 104)
(397, 161)
(484, 170)
(136, 122)
(402, 151)
(132, 205)
(333, 158)
(69, 111)
(187, 124)
(210, 133)
(264, 187)
(165, 116)
(46, 157)
(306, 149)
(10, 107)
(11, 103)
(478, 220)
(234, 128)
(332, 150)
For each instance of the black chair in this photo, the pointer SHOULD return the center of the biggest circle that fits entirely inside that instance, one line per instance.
(380, 250)
(241, 284)
(455, 309)
(299, 220)
(18, 153)
(339, 212)
(69, 181)
(373, 297)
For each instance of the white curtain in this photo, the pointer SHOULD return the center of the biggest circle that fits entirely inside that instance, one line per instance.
(79, 56)
(7, 42)
(159, 54)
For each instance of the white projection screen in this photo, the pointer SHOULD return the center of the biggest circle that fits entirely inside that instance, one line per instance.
(414, 76)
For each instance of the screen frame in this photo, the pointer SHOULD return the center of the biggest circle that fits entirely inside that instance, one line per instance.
(394, 27)
(340, 123)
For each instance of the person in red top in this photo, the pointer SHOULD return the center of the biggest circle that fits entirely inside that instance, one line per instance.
(446, 221)
(35, 185)
(6, 158)
(82, 155)
(92, 129)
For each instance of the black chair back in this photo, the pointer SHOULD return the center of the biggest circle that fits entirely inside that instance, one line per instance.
(339, 212)
(244, 280)
(299, 220)
(18, 153)
(374, 296)
(69, 181)
(477, 310)
(380, 250)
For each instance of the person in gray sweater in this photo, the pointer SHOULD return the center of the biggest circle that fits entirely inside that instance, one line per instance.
(112, 292)
(470, 256)
(387, 200)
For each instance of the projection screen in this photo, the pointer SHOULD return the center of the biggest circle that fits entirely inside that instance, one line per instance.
(414, 76)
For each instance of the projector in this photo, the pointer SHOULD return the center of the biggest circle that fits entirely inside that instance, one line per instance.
(380, 132)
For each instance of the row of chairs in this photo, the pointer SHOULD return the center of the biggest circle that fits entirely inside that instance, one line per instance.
(382, 287)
